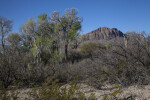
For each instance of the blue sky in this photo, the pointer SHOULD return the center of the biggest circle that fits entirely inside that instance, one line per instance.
(125, 15)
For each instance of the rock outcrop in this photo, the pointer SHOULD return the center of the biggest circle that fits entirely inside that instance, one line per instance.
(103, 33)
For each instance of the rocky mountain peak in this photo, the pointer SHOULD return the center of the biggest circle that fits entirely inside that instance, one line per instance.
(103, 33)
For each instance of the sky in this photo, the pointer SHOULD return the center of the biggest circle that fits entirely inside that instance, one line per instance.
(125, 15)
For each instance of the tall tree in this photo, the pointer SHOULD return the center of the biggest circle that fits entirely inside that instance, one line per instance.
(71, 24)
(6, 70)
(5, 28)
(67, 27)
(29, 29)
(38, 33)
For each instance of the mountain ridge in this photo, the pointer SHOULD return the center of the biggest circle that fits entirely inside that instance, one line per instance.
(103, 33)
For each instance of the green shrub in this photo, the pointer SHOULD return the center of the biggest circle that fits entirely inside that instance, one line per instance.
(88, 47)
(52, 90)
(9, 94)
(115, 94)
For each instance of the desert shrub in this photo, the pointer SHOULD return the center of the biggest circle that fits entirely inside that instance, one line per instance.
(4, 94)
(91, 49)
(52, 90)
(88, 47)
(121, 63)
(75, 56)
(130, 64)
(9, 93)
(115, 95)
(92, 97)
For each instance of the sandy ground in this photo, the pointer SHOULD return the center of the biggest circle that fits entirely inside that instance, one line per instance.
(139, 93)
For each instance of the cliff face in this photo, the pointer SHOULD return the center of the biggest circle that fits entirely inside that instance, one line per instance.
(103, 33)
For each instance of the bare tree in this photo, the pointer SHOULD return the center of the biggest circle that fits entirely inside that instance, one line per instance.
(5, 28)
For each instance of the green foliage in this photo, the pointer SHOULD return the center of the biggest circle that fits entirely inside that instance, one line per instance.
(115, 94)
(92, 97)
(33, 49)
(81, 96)
(71, 33)
(77, 25)
(41, 43)
(117, 91)
(88, 47)
(73, 30)
(51, 90)
(42, 16)
(55, 57)
(91, 47)
(108, 45)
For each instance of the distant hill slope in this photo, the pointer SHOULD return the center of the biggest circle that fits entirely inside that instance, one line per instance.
(102, 33)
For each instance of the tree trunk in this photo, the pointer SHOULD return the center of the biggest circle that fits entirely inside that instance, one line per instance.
(66, 51)
(37, 51)
(2, 41)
